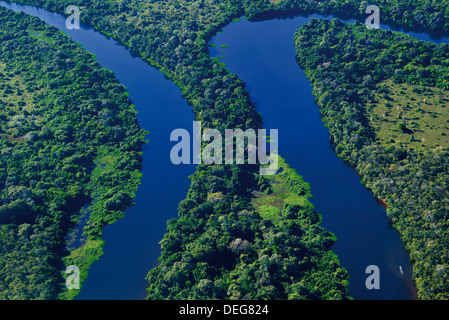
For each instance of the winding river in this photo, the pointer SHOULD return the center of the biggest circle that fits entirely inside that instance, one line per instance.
(261, 54)
(131, 244)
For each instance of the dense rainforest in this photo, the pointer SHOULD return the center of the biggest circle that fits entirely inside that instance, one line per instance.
(173, 36)
(68, 136)
(272, 248)
(228, 190)
(356, 71)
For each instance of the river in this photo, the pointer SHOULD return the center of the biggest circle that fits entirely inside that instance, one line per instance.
(131, 244)
(261, 54)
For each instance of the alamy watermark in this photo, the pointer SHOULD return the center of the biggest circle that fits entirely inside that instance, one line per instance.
(72, 21)
(233, 144)
(73, 280)
(373, 21)
(373, 280)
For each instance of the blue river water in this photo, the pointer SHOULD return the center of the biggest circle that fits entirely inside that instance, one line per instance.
(261, 54)
(132, 243)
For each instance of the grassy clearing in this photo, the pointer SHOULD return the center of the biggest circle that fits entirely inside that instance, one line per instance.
(413, 115)
(287, 188)
(83, 258)
(16, 105)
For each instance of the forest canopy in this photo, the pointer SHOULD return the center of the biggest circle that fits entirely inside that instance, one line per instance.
(61, 114)
(271, 248)
(350, 66)
(173, 36)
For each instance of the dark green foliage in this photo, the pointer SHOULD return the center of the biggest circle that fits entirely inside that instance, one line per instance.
(345, 64)
(49, 146)
(427, 15)
(16, 212)
(230, 252)
(173, 36)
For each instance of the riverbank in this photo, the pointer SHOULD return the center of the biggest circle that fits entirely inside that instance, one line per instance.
(199, 97)
(394, 171)
(350, 211)
(56, 144)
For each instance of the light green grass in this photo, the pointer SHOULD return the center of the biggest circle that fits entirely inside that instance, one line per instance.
(287, 188)
(423, 111)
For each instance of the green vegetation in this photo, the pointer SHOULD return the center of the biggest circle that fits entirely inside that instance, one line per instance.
(68, 137)
(360, 74)
(410, 114)
(425, 15)
(177, 45)
(246, 251)
(173, 35)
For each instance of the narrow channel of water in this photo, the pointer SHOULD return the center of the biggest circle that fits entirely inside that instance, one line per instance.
(262, 54)
(132, 243)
